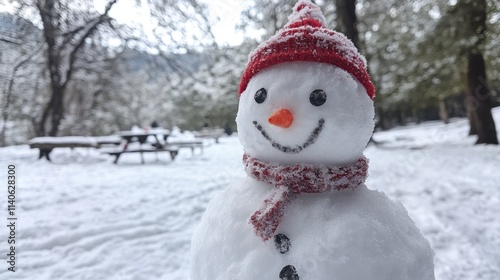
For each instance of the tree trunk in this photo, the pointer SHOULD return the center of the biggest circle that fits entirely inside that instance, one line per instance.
(54, 111)
(478, 94)
(57, 110)
(472, 119)
(403, 116)
(381, 119)
(347, 21)
(443, 114)
(415, 116)
(478, 90)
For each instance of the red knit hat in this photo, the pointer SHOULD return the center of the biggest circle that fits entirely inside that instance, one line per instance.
(306, 38)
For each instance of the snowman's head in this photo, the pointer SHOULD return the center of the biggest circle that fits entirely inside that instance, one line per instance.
(305, 112)
(305, 95)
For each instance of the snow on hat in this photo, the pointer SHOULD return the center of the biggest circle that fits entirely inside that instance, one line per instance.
(306, 38)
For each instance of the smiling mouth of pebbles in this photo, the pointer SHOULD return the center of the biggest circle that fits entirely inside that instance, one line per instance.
(289, 149)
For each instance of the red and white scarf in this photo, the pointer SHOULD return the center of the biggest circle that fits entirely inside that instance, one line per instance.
(290, 181)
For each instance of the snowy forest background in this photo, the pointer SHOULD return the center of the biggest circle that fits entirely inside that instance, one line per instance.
(89, 67)
(70, 68)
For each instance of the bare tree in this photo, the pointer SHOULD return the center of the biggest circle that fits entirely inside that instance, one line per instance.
(68, 26)
(62, 52)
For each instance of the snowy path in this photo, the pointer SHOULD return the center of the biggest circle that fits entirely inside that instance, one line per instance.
(86, 218)
(452, 190)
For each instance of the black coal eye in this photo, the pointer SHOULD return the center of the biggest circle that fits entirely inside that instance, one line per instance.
(317, 97)
(260, 95)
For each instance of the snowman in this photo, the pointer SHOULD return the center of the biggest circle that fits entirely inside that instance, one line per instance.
(305, 116)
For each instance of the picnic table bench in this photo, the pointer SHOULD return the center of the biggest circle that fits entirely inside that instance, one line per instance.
(173, 153)
(214, 133)
(187, 144)
(47, 144)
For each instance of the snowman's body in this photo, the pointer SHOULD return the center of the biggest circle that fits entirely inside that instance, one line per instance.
(310, 113)
(346, 235)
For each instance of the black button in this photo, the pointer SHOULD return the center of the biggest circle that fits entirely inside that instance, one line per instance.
(289, 273)
(282, 243)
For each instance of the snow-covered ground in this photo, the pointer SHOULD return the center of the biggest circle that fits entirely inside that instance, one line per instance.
(82, 217)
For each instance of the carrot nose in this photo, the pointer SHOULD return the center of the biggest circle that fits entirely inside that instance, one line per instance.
(282, 118)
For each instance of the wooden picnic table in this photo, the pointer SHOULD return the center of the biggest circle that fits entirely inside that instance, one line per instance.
(126, 138)
(141, 137)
